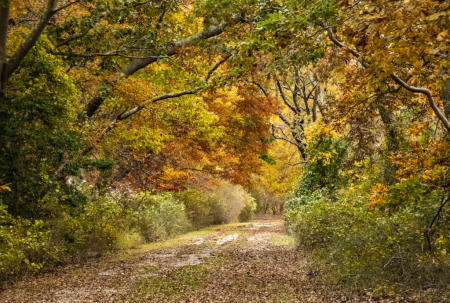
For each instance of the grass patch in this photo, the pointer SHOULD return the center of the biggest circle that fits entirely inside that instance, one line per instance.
(180, 281)
(155, 246)
(225, 226)
(197, 233)
(283, 240)
(236, 232)
(150, 269)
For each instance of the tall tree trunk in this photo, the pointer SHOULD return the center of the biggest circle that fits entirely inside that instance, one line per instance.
(391, 139)
(4, 17)
(445, 96)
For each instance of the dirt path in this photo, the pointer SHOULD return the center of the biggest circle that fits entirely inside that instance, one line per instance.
(251, 262)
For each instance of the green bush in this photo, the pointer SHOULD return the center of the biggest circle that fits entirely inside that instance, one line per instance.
(202, 209)
(73, 232)
(69, 234)
(159, 217)
(237, 203)
(94, 229)
(23, 244)
(246, 213)
(322, 171)
(391, 242)
(375, 249)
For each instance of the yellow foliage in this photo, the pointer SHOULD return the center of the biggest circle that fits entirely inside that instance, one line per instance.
(317, 130)
(377, 194)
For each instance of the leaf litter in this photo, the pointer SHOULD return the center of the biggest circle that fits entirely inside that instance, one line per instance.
(235, 264)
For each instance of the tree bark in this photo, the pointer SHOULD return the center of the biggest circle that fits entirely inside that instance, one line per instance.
(392, 142)
(4, 17)
(445, 96)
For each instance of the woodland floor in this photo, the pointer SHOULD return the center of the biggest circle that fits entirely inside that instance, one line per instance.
(245, 262)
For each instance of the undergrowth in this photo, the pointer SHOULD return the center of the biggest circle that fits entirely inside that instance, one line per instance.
(105, 223)
(372, 238)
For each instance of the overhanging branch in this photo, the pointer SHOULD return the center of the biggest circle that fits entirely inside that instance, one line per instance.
(141, 106)
(403, 84)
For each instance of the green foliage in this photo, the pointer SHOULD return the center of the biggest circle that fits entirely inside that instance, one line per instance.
(248, 210)
(159, 217)
(322, 171)
(95, 228)
(23, 244)
(391, 248)
(37, 128)
(264, 156)
(202, 209)
(246, 213)
(99, 225)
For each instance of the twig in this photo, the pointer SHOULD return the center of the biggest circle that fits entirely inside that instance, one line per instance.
(294, 164)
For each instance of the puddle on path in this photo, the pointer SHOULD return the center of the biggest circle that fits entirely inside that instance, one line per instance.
(227, 239)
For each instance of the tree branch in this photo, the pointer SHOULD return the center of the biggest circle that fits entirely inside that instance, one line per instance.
(70, 39)
(285, 99)
(261, 88)
(402, 84)
(138, 64)
(110, 54)
(340, 44)
(29, 41)
(141, 106)
(283, 118)
(294, 164)
(427, 94)
(65, 6)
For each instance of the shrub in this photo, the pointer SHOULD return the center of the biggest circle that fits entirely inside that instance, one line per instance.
(94, 228)
(130, 240)
(238, 205)
(391, 247)
(202, 209)
(267, 202)
(23, 244)
(159, 217)
(246, 213)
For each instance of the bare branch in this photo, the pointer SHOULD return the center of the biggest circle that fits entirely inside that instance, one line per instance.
(294, 164)
(282, 117)
(287, 140)
(427, 94)
(65, 6)
(261, 88)
(216, 66)
(285, 99)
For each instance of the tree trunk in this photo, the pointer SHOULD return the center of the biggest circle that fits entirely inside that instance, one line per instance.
(392, 142)
(4, 17)
(445, 96)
